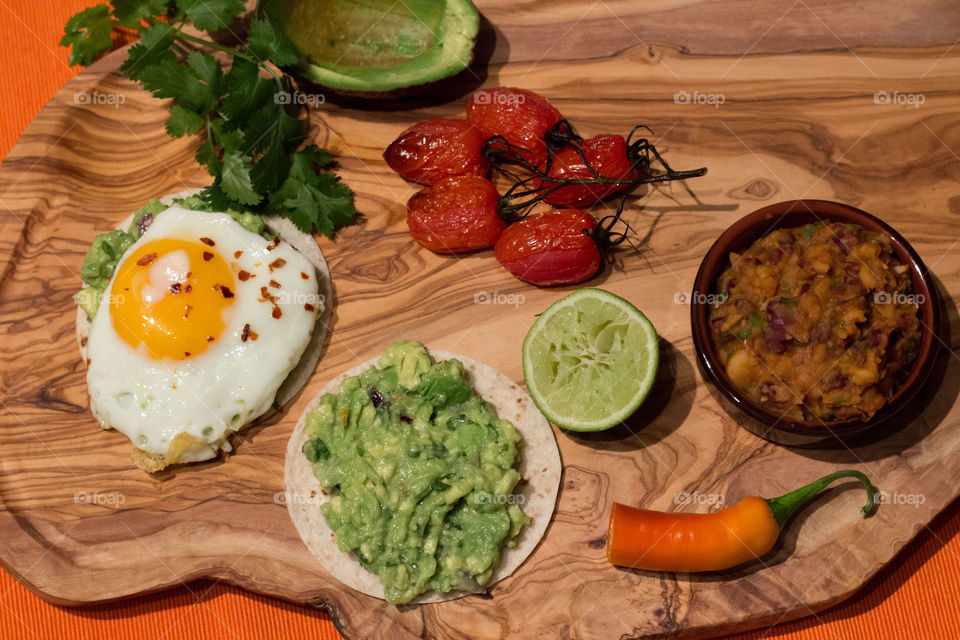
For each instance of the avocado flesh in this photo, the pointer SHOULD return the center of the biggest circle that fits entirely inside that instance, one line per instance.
(378, 45)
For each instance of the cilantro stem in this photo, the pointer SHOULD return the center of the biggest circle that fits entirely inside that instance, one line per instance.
(253, 145)
(233, 52)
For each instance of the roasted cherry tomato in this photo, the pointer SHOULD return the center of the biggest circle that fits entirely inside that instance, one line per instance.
(550, 248)
(432, 150)
(607, 154)
(456, 215)
(520, 116)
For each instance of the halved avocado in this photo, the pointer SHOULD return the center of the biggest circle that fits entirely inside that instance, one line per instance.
(369, 47)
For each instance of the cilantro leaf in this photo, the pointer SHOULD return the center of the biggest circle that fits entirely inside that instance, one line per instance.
(270, 169)
(313, 200)
(211, 15)
(301, 207)
(88, 33)
(183, 121)
(302, 167)
(205, 68)
(214, 198)
(267, 42)
(195, 86)
(203, 89)
(293, 199)
(228, 140)
(335, 200)
(246, 92)
(129, 13)
(207, 156)
(320, 157)
(272, 125)
(164, 78)
(252, 133)
(236, 181)
(153, 48)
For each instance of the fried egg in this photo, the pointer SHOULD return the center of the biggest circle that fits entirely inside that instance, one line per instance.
(200, 325)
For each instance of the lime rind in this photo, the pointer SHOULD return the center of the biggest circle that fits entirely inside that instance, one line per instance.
(590, 360)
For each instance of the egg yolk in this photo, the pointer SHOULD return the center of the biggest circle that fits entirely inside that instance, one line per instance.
(170, 295)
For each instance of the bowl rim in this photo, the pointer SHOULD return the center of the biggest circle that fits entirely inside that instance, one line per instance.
(758, 224)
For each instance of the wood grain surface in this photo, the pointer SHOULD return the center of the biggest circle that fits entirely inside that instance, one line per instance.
(798, 118)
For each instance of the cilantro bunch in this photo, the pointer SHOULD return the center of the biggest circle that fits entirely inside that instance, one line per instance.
(254, 135)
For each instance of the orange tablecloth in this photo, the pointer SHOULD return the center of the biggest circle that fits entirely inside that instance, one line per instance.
(915, 597)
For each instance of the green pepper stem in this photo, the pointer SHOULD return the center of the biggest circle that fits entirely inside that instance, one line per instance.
(789, 503)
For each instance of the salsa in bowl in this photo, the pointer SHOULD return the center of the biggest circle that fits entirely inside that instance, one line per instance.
(814, 320)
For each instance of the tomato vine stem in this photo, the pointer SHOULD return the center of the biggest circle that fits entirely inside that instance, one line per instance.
(532, 184)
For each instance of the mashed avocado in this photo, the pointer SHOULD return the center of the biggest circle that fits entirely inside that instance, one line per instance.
(422, 472)
(107, 248)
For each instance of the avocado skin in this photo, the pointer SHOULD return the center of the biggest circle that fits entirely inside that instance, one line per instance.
(422, 79)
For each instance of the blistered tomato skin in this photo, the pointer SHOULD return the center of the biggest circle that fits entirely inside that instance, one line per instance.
(607, 154)
(550, 248)
(456, 215)
(432, 150)
(520, 116)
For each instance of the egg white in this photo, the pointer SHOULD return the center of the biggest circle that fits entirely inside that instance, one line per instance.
(194, 404)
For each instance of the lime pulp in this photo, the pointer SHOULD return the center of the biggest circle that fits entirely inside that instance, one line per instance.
(589, 360)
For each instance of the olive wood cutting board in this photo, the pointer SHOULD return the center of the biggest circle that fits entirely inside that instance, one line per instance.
(798, 118)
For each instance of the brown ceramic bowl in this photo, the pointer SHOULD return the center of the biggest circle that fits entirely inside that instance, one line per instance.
(740, 236)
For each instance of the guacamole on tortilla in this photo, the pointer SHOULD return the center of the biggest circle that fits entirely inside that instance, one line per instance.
(405, 472)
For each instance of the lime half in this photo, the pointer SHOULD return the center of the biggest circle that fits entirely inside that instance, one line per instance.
(589, 360)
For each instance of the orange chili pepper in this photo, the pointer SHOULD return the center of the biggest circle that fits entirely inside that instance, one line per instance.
(687, 542)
